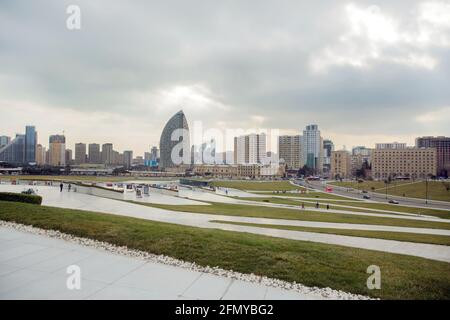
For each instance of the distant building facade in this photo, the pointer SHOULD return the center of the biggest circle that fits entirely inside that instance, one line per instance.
(406, 162)
(94, 153)
(250, 149)
(340, 164)
(80, 153)
(57, 150)
(442, 146)
(290, 151)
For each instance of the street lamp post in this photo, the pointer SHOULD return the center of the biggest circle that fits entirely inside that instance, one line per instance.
(426, 190)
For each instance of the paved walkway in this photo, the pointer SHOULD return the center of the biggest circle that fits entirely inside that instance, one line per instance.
(35, 267)
(52, 197)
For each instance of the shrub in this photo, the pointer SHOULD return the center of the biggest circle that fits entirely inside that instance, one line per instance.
(20, 197)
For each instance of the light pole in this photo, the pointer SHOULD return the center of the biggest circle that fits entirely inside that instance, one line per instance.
(426, 189)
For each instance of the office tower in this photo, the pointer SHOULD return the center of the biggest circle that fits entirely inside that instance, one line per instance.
(80, 153)
(290, 151)
(57, 150)
(364, 151)
(69, 157)
(94, 153)
(13, 152)
(154, 154)
(128, 158)
(313, 148)
(328, 147)
(250, 149)
(107, 155)
(40, 155)
(362, 156)
(174, 150)
(391, 145)
(30, 144)
(4, 140)
(340, 164)
(442, 145)
(406, 162)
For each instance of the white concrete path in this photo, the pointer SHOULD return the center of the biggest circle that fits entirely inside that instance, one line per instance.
(35, 267)
(72, 200)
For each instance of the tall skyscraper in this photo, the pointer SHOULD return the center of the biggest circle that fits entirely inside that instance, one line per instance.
(328, 148)
(69, 157)
(128, 158)
(30, 144)
(40, 155)
(94, 153)
(290, 150)
(14, 151)
(154, 154)
(312, 147)
(107, 153)
(250, 149)
(175, 135)
(57, 150)
(442, 146)
(80, 153)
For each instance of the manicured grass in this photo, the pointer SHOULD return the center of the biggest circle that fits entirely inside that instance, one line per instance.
(294, 214)
(314, 195)
(437, 190)
(357, 206)
(312, 264)
(399, 236)
(257, 185)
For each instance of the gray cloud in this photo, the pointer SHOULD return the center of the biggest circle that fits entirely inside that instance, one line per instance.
(223, 61)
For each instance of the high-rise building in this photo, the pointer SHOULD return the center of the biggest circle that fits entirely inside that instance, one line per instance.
(14, 151)
(94, 153)
(30, 144)
(442, 145)
(361, 156)
(69, 157)
(407, 162)
(57, 150)
(290, 151)
(250, 149)
(364, 151)
(313, 148)
(107, 155)
(154, 154)
(340, 164)
(40, 155)
(128, 158)
(4, 140)
(80, 153)
(174, 144)
(391, 145)
(328, 148)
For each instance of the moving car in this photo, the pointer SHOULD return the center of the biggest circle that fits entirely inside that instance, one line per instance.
(366, 196)
(393, 201)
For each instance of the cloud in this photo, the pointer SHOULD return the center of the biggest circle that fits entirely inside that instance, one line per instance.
(374, 36)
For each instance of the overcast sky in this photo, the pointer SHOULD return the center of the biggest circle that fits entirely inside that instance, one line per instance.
(364, 71)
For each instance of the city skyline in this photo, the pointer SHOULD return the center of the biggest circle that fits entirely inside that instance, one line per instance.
(378, 72)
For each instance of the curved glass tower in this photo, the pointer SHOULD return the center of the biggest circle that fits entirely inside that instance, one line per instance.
(174, 134)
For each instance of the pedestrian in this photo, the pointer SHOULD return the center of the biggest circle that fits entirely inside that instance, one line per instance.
(61, 187)
(70, 187)
(317, 205)
(328, 207)
(303, 205)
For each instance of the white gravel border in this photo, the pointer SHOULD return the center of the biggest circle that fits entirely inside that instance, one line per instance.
(326, 293)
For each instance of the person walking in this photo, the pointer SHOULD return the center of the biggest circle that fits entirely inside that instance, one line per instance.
(328, 207)
(303, 206)
(317, 205)
(70, 187)
(61, 187)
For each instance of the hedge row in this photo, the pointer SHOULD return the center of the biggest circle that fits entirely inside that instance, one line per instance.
(20, 197)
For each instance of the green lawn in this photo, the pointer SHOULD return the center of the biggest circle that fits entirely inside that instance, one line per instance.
(257, 185)
(293, 214)
(312, 264)
(315, 195)
(356, 206)
(437, 190)
(399, 236)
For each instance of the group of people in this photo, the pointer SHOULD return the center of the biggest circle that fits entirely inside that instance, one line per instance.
(317, 206)
(61, 187)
